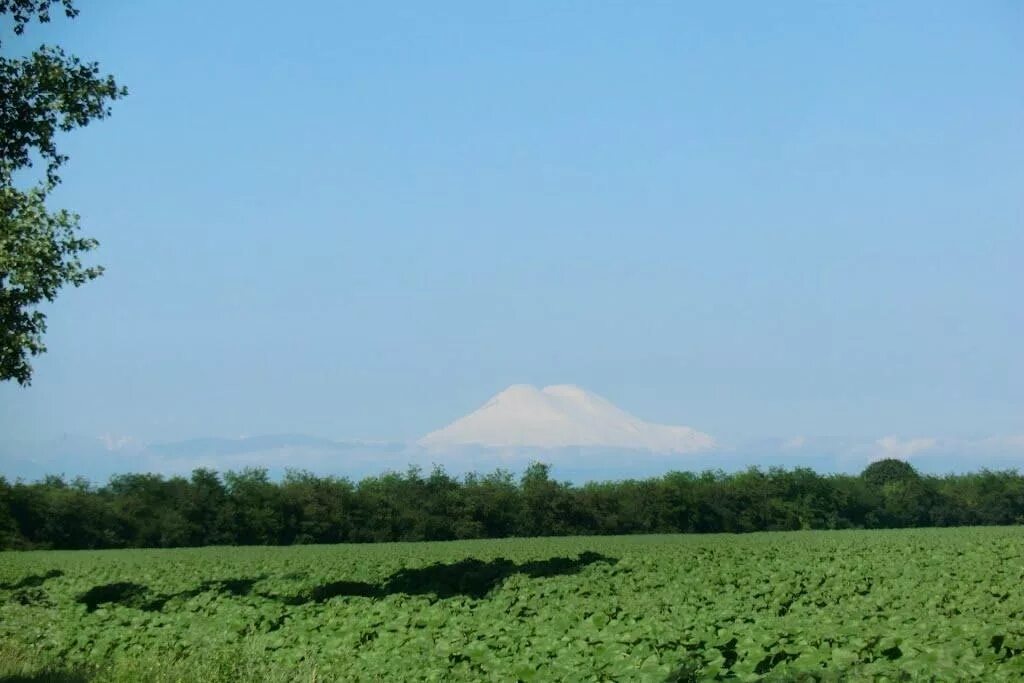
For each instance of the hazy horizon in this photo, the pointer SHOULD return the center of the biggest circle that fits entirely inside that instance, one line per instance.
(584, 437)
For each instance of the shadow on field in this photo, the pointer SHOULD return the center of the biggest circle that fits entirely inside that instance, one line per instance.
(33, 581)
(46, 677)
(138, 596)
(471, 578)
(29, 591)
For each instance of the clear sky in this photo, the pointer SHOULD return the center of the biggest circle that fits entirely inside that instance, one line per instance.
(360, 220)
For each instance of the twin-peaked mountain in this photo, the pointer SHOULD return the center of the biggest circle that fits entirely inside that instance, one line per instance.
(561, 416)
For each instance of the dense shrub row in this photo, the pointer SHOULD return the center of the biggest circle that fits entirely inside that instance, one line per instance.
(247, 507)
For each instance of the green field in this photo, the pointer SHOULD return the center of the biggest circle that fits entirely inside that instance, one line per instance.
(884, 605)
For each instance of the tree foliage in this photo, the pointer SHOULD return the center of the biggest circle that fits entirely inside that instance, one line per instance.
(41, 95)
(888, 471)
(249, 508)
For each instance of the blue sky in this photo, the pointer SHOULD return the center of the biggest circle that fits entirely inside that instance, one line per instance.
(362, 219)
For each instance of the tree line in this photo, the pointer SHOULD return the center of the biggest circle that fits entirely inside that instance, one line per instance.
(249, 508)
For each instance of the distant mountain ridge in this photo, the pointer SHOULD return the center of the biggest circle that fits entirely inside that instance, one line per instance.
(561, 416)
(248, 444)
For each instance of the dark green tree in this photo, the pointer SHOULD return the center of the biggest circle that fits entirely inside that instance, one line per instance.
(316, 509)
(150, 509)
(548, 506)
(901, 496)
(254, 507)
(8, 526)
(204, 508)
(494, 503)
(41, 94)
(889, 470)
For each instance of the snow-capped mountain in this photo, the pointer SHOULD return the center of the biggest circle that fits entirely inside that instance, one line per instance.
(561, 416)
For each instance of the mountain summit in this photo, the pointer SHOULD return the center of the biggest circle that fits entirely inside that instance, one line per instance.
(561, 416)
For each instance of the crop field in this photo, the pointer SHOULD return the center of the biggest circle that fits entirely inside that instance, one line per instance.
(863, 605)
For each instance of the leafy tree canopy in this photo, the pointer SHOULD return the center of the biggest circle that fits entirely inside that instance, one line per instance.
(41, 95)
(249, 507)
(889, 470)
